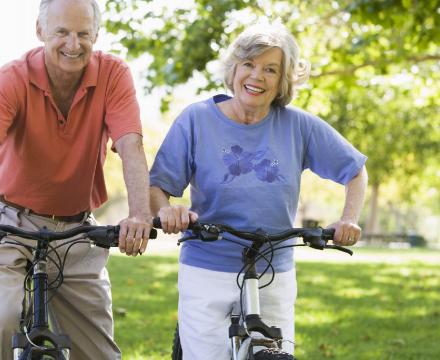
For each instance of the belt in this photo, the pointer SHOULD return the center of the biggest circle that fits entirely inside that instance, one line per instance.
(68, 218)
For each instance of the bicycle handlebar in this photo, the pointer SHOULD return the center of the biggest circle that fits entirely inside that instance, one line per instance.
(102, 236)
(316, 238)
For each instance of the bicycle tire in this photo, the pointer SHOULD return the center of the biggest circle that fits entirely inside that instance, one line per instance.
(177, 347)
(273, 354)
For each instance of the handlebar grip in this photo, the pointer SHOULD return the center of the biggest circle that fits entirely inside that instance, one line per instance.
(156, 223)
(328, 234)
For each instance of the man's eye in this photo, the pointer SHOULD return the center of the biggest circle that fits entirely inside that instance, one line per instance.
(247, 64)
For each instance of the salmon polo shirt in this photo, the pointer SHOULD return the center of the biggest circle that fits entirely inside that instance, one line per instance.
(51, 164)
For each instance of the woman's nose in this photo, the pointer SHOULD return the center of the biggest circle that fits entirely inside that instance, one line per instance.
(257, 73)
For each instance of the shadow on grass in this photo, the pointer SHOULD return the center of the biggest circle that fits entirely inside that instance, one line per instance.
(368, 311)
(344, 311)
(144, 304)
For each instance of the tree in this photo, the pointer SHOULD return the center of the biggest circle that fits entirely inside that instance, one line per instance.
(374, 65)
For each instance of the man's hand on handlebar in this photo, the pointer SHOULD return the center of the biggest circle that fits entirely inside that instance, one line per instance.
(346, 233)
(176, 218)
(134, 234)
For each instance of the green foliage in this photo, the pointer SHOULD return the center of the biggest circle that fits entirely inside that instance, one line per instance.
(181, 40)
(375, 66)
(345, 310)
(397, 135)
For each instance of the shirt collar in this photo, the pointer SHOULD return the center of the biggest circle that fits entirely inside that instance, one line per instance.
(38, 73)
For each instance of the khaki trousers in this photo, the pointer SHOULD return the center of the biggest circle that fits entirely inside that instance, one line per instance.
(82, 304)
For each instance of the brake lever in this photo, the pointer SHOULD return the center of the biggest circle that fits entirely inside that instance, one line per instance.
(340, 248)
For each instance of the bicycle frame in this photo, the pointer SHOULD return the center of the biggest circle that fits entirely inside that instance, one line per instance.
(26, 344)
(240, 329)
(40, 340)
(242, 341)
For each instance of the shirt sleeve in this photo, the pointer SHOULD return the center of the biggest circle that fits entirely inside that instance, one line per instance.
(331, 156)
(122, 108)
(8, 102)
(173, 167)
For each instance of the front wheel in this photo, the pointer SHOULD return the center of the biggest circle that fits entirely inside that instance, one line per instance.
(177, 348)
(273, 354)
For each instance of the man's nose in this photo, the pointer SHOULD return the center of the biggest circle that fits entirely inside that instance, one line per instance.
(73, 41)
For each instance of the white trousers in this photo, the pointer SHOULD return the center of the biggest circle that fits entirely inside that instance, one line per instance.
(207, 299)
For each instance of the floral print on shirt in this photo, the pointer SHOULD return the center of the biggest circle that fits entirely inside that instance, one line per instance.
(240, 162)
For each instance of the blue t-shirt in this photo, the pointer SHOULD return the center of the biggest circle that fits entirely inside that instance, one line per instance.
(247, 176)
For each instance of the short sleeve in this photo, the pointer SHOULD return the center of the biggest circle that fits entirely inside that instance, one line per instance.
(173, 166)
(8, 102)
(122, 109)
(331, 156)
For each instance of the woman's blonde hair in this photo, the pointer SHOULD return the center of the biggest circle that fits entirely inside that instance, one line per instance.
(257, 39)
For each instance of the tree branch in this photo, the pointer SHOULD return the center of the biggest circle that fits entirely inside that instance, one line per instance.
(352, 69)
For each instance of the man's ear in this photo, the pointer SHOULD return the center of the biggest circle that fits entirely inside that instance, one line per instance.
(96, 36)
(39, 31)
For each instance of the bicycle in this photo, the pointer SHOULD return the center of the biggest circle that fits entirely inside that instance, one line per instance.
(36, 340)
(246, 325)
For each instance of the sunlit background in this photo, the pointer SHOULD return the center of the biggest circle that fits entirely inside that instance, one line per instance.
(351, 308)
(320, 200)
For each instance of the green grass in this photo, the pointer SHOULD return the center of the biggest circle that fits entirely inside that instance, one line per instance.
(144, 305)
(353, 310)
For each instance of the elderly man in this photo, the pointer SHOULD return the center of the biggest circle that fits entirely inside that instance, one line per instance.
(59, 104)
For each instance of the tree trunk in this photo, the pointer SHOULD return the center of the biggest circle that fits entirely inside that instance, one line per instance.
(372, 226)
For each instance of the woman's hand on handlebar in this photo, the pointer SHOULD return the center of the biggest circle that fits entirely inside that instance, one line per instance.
(176, 218)
(347, 233)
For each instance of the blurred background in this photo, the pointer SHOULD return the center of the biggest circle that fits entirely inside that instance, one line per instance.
(375, 78)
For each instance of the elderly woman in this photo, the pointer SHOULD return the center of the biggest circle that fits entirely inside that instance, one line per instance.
(243, 156)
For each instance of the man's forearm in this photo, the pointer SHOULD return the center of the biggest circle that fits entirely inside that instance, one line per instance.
(136, 175)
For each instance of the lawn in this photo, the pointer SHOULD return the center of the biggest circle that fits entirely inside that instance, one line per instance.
(345, 309)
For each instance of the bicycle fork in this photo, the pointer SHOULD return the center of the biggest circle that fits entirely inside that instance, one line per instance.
(32, 341)
(240, 333)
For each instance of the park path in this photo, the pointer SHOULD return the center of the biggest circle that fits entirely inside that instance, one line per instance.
(167, 244)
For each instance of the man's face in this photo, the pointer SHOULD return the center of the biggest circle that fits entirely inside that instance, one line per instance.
(68, 35)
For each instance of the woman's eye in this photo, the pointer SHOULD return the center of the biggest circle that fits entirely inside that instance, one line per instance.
(247, 64)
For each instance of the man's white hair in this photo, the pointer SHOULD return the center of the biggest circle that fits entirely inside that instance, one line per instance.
(44, 6)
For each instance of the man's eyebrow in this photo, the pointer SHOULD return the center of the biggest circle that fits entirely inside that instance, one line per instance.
(58, 28)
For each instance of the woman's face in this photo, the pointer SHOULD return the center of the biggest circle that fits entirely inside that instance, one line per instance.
(256, 81)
